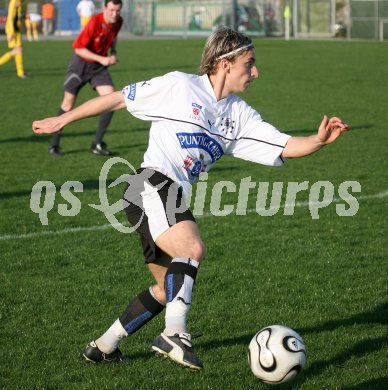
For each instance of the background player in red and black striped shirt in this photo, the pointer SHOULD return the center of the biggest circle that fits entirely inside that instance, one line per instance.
(89, 64)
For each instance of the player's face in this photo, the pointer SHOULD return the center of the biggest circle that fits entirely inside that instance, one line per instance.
(242, 72)
(111, 12)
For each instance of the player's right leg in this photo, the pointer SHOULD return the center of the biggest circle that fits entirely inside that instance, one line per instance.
(99, 147)
(16, 52)
(74, 81)
(9, 54)
(182, 242)
(6, 57)
(35, 32)
(28, 29)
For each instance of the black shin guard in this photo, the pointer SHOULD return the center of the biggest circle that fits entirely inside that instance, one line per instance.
(55, 139)
(142, 309)
(103, 125)
(180, 272)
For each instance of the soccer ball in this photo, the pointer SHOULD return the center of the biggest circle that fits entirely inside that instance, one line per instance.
(276, 354)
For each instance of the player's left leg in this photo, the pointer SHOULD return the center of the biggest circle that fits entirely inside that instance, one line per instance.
(67, 104)
(142, 309)
(19, 62)
(98, 146)
(18, 53)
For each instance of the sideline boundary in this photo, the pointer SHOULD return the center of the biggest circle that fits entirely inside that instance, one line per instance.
(7, 237)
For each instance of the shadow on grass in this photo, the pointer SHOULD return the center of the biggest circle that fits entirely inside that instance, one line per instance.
(46, 137)
(313, 131)
(357, 350)
(114, 152)
(378, 315)
(373, 384)
(48, 72)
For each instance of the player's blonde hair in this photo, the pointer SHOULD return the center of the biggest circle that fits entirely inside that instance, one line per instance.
(222, 43)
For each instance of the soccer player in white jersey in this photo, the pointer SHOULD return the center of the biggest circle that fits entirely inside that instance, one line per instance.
(195, 120)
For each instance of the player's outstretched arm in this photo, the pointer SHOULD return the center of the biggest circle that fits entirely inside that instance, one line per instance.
(93, 107)
(328, 132)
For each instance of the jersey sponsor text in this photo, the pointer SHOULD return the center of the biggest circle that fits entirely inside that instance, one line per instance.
(201, 141)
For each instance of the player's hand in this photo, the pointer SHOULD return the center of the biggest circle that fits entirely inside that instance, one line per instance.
(108, 61)
(331, 129)
(47, 126)
(10, 38)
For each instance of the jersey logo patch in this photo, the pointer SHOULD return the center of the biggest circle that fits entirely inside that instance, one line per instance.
(132, 92)
(201, 141)
(194, 167)
(227, 125)
(196, 111)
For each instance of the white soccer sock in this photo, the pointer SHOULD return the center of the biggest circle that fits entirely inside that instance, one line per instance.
(110, 340)
(176, 312)
(178, 307)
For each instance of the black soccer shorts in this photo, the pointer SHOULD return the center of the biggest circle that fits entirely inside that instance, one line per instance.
(80, 72)
(154, 203)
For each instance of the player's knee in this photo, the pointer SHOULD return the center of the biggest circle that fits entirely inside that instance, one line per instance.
(67, 105)
(159, 293)
(197, 250)
(17, 50)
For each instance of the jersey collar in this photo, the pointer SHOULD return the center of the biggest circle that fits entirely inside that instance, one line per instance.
(210, 91)
(208, 86)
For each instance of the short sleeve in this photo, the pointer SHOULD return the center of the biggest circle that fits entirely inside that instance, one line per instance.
(257, 140)
(86, 35)
(151, 99)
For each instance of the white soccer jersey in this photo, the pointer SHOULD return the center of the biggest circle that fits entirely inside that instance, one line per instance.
(191, 130)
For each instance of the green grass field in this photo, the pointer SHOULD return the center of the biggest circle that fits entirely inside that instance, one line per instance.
(63, 284)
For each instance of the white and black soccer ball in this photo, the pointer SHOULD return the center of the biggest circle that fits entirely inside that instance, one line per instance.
(276, 354)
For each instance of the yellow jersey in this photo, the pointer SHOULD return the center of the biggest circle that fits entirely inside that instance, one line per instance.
(14, 18)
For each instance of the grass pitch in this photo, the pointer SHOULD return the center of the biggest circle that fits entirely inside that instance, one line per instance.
(62, 284)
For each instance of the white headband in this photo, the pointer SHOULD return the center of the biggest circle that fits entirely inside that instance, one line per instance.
(235, 51)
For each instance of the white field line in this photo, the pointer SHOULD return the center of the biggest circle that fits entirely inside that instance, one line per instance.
(207, 214)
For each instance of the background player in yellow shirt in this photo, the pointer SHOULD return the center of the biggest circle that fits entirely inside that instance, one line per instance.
(13, 29)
